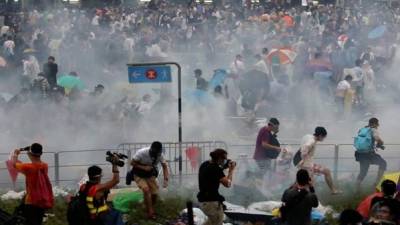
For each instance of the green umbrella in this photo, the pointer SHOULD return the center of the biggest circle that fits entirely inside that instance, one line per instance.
(69, 82)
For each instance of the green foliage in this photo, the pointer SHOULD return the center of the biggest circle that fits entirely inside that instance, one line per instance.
(166, 209)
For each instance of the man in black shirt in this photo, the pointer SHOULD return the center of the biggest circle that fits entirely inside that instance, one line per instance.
(211, 175)
(50, 70)
(299, 200)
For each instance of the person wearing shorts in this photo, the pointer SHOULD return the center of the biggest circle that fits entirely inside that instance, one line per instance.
(371, 157)
(308, 147)
(145, 163)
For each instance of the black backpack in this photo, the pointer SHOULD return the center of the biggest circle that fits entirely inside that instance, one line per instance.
(78, 211)
(297, 158)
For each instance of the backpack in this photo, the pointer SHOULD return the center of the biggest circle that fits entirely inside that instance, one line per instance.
(78, 211)
(364, 142)
(43, 196)
(297, 158)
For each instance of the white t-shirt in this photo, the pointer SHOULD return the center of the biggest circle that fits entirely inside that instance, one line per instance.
(308, 144)
(358, 76)
(342, 87)
(143, 157)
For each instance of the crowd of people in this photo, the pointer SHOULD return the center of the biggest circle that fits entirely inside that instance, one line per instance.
(254, 60)
(325, 57)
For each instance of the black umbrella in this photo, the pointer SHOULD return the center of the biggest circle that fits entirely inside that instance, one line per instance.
(254, 80)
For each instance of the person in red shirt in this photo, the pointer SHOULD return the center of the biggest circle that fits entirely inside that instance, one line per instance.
(33, 211)
(267, 145)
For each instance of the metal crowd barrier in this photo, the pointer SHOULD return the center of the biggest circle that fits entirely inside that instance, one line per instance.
(70, 166)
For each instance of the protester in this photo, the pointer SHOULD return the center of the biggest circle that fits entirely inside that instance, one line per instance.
(145, 169)
(365, 143)
(359, 81)
(211, 175)
(50, 70)
(307, 149)
(267, 146)
(342, 90)
(96, 194)
(299, 200)
(39, 194)
(383, 213)
(389, 189)
(98, 90)
(201, 83)
(8, 48)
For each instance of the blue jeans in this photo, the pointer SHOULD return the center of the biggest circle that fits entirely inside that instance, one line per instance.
(113, 217)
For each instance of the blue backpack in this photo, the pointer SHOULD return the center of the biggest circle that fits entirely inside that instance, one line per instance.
(364, 142)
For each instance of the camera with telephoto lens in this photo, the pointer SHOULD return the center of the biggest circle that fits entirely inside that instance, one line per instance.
(116, 158)
(228, 162)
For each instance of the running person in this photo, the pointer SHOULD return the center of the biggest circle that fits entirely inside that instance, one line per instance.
(307, 150)
(367, 156)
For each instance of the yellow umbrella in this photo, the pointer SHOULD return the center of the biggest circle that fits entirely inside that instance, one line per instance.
(389, 176)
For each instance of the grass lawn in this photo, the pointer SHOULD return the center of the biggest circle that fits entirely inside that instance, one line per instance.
(174, 202)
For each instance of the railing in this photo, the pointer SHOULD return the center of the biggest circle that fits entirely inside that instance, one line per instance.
(68, 167)
(339, 158)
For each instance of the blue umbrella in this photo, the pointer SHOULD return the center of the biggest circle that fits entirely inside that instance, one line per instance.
(198, 97)
(218, 78)
(377, 32)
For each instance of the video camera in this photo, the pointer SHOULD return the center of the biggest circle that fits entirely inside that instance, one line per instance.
(116, 158)
(228, 162)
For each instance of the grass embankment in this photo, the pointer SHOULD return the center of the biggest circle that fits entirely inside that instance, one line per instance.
(168, 209)
(173, 203)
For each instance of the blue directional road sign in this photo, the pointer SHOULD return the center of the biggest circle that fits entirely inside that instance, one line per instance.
(149, 74)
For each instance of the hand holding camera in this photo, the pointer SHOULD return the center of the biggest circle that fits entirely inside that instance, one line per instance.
(229, 165)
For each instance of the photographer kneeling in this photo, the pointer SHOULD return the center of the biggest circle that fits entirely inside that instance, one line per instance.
(211, 175)
(97, 192)
(145, 171)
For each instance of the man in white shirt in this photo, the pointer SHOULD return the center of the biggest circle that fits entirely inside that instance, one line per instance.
(307, 149)
(145, 171)
(358, 80)
(341, 90)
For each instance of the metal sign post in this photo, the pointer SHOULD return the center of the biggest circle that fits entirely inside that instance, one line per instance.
(159, 72)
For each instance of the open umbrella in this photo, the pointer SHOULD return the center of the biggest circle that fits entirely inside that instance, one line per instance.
(281, 56)
(198, 97)
(69, 82)
(377, 32)
(319, 65)
(395, 177)
(254, 80)
(342, 40)
(218, 78)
